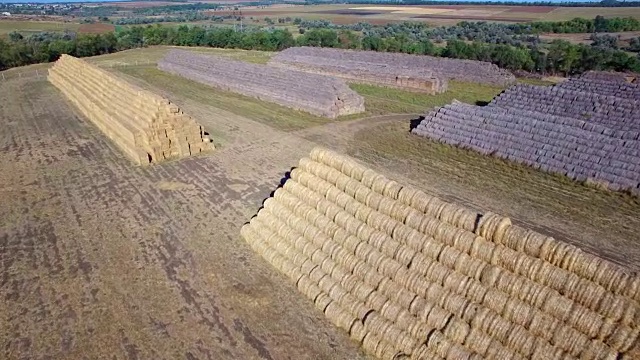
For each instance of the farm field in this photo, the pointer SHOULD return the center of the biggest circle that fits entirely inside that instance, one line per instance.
(434, 14)
(29, 27)
(104, 257)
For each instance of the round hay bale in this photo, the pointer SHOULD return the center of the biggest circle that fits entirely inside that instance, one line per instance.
(457, 330)
(376, 301)
(370, 342)
(482, 250)
(368, 177)
(385, 206)
(379, 183)
(349, 282)
(420, 201)
(338, 316)
(347, 168)
(428, 225)
(390, 248)
(353, 225)
(352, 243)
(521, 340)
(333, 193)
(335, 177)
(308, 288)
(341, 181)
(400, 212)
(587, 322)
(377, 239)
(322, 301)
(391, 311)
(361, 193)
(406, 195)
(355, 307)
(373, 200)
(330, 247)
(363, 212)
(374, 258)
(392, 190)
(363, 291)
(465, 219)
(413, 218)
(352, 187)
(357, 332)
(389, 266)
(342, 218)
(496, 300)
(304, 163)
(434, 207)
(365, 232)
(405, 255)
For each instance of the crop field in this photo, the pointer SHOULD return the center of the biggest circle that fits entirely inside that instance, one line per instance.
(29, 27)
(435, 14)
(104, 257)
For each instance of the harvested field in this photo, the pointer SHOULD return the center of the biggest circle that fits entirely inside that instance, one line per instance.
(475, 18)
(145, 126)
(316, 94)
(414, 65)
(96, 28)
(140, 262)
(149, 262)
(32, 26)
(399, 270)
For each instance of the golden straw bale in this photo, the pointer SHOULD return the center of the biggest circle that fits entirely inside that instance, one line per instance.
(385, 206)
(338, 316)
(352, 188)
(449, 256)
(343, 200)
(424, 353)
(376, 301)
(363, 291)
(361, 194)
(318, 154)
(341, 181)
(493, 227)
(405, 255)
(389, 266)
(368, 177)
(434, 207)
(392, 189)
(307, 287)
(400, 212)
(406, 194)
(570, 340)
(373, 200)
(357, 332)
(428, 225)
(374, 258)
(322, 301)
(370, 342)
(379, 184)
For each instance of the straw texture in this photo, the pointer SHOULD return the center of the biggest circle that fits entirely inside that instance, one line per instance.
(145, 126)
(408, 275)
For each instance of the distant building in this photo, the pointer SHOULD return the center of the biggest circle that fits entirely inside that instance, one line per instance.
(6, 14)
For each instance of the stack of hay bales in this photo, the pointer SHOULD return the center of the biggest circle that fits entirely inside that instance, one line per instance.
(388, 75)
(316, 94)
(414, 65)
(147, 127)
(408, 275)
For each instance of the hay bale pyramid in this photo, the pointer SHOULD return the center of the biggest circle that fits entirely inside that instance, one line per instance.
(145, 126)
(410, 276)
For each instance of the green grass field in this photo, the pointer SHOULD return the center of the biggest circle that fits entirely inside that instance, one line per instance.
(30, 27)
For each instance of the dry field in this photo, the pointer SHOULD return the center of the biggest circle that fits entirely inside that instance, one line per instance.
(435, 14)
(102, 257)
(26, 27)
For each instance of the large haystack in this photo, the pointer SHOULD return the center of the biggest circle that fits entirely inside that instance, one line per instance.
(147, 127)
(417, 67)
(316, 94)
(406, 273)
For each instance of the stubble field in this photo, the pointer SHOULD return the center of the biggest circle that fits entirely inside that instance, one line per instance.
(149, 262)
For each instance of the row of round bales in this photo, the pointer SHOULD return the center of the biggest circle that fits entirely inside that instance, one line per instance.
(583, 134)
(316, 94)
(611, 84)
(414, 65)
(618, 115)
(383, 74)
(145, 126)
(408, 275)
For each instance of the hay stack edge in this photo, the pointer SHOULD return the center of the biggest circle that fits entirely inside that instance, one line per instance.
(410, 276)
(145, 126)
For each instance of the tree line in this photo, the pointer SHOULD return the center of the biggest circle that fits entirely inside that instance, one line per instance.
(557, 57)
